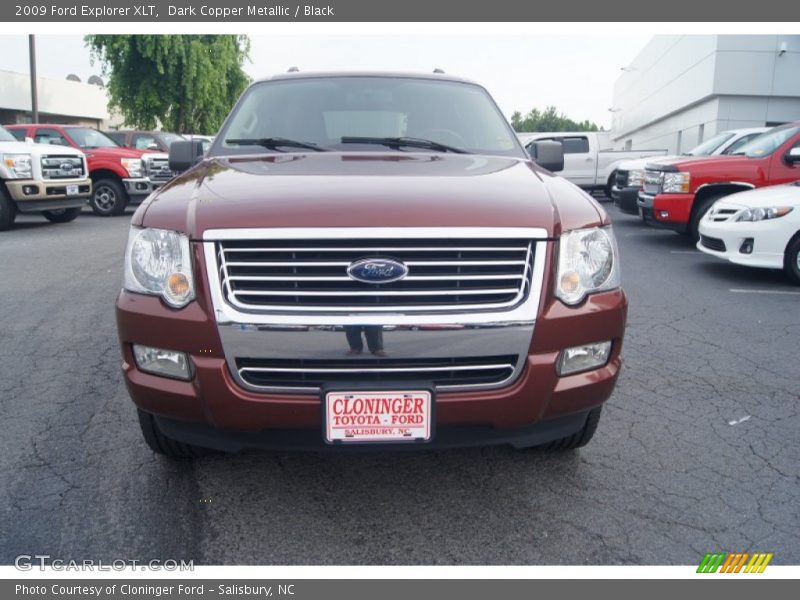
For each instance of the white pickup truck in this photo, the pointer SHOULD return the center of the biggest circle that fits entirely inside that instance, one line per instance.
(586, 163)
(40, 178)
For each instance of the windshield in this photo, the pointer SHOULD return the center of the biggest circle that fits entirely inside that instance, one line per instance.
(768, 142)
(169, 138)
(5, 135)
(90, 138)
(323, 110)
(707, 148)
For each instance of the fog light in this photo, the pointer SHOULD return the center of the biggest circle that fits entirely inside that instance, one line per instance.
(166, 363)
(663, 214)
(747, 246)
(583, 358)
(30, 190)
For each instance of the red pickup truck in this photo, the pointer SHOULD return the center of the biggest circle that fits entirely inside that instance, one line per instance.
(677, 193)
(120, 176)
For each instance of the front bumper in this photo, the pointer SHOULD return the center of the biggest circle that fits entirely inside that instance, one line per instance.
(217, 403)
(37, 195)
(626, 198)
(669, 211)
(140, 188)
(769, 237)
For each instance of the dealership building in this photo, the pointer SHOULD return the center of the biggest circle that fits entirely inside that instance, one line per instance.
(682, 89)
(60, 101)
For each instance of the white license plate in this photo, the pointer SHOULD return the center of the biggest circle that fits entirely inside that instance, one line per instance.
(72, 190)
(364, 416)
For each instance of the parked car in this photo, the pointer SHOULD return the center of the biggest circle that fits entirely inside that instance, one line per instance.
(757, 228)
(630, 173)
(677, 193)
(271, 289)
(145, 140)
(35, 178)
(585, 163)
(120, 176)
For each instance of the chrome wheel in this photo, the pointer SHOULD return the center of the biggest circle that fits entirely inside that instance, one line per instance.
(105, 198)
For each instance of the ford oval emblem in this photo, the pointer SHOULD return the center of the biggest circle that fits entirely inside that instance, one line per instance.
(377, 270)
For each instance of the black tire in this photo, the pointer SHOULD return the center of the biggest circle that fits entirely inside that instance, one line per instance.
(698, 212)
(8, 211)
(609, 185)
(791, 260)
(161, 444)
(108, 198)
(578, 439)
(62, 215)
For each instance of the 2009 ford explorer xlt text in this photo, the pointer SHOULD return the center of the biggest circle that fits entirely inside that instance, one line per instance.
(369, 259)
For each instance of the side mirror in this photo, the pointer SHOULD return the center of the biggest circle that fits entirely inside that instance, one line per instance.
(29, 139)
(152, 146)
(793, 156)
(548, 155)
(185, 155)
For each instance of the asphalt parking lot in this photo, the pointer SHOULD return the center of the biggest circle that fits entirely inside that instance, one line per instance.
(697, 451)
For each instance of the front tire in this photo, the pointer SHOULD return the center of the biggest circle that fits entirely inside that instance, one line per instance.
(161, 444)
(791, 260)
(578, 439)
(62, 215)
(8, 211)
(700, 210)
(108, 198)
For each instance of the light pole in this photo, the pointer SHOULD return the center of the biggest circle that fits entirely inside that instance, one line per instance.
(34, 93)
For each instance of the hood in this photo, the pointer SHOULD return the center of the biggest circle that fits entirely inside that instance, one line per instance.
(117, 152)
(721, 168)
(641, 163)
(776, 195)
(38, 149)
(348, 189)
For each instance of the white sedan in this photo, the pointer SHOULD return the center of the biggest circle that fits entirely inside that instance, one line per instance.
(757, 228)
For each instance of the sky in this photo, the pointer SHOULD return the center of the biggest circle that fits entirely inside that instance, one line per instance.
(575, 73)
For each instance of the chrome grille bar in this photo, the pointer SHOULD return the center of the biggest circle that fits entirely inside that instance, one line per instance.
(295, 275)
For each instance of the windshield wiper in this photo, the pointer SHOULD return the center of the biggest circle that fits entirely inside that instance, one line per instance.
(274, 143)
(397, 142)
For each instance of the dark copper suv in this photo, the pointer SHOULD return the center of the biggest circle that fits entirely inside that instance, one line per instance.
(369, 259)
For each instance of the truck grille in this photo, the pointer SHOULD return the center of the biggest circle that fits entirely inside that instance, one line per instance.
(622, 179)
(311, 375)
(157, 169)
(652, 182)
(280, 275)
(62, 167)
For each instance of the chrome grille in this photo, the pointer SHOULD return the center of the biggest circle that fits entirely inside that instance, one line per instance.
(62, 167)
(310, 275)
(652, 182)
(157, 168)
(311, 375)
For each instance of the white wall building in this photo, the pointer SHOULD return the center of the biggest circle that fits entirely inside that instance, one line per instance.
(682, 89)
(60, 101)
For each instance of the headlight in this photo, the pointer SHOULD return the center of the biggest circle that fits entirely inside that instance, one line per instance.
(676, 183)
(133, 166)
(635, 178)
(761, 214)
(158, 262)
(20, 166)
(588, 261)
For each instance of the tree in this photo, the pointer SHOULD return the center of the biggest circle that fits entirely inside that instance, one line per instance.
(548, 120)
(185, 83)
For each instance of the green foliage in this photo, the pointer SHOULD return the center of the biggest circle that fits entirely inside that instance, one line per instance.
(184, 83)
(548, 120)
